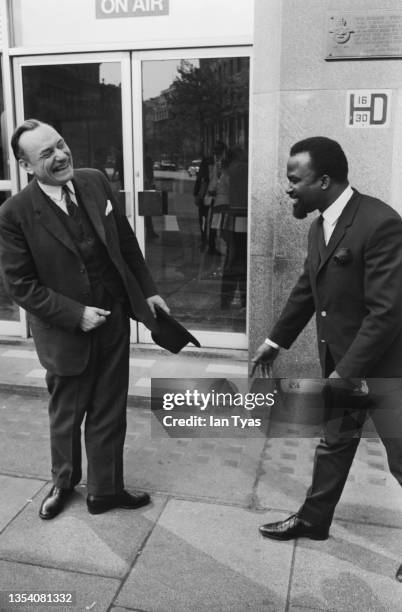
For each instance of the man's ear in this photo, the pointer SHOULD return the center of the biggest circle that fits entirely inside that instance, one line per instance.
(325, 181)
(25, 165)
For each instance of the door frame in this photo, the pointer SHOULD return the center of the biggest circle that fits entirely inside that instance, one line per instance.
(19, 62)
(132, 133)
(210, 339)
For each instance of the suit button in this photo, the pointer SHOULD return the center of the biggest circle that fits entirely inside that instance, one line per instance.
(323, 341)
(323, 313)
(82, 270)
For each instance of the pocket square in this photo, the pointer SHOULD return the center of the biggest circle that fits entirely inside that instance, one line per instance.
(343, 256)
(109, 208)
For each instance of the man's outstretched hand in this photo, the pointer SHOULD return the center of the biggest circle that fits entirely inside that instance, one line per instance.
(264, 357)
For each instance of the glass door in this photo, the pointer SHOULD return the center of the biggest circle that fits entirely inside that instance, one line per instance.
(87, 98)
(12, 318)
(172, 123)
(191, 145)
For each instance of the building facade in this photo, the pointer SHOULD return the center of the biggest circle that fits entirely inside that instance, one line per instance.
(144, 89)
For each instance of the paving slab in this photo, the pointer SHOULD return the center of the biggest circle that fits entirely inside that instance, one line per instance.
(15, 494)
(221, 469)
(208, 557)
(20, 367)
(90, 592)
(24, 436)
(353, 570)
(285, 472)
(104, 544)
(371, 493)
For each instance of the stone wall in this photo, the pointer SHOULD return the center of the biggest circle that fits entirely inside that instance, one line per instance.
(296, 93)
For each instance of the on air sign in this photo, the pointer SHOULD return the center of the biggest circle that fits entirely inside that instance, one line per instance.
(107, 9)
(368, 108)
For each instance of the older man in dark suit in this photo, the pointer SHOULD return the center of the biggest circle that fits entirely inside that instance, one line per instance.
(352, 281)
(72, 261)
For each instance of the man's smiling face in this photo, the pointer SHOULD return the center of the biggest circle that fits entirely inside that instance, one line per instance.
(305, 187)
(46, 155)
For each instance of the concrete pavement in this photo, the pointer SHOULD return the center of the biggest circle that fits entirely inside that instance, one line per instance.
(197, 547)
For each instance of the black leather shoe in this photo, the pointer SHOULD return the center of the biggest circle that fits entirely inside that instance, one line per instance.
(398, 574)
(294, 527)
(53, 503)
(102, 503)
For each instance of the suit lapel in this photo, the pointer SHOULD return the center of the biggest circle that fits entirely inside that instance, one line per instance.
(88, 200)
(341, 228)
(43, 210)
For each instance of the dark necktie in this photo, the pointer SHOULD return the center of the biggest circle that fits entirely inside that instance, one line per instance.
(71, 207)
(322, 247)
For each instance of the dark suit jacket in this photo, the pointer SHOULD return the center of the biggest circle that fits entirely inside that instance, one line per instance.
(44, 272)
(356, 293)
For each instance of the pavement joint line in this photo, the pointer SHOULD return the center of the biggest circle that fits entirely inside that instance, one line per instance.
(259, 472)
(20, 511)
(309, 608)
(112, 607)
(41, 392)
(139, 552)
(23, 476)
(60, 569)
(291, 572)
(200, 499)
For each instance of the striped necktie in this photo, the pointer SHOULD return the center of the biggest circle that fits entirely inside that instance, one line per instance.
(71, 207)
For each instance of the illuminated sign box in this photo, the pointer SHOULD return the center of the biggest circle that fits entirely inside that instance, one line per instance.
(109, 9)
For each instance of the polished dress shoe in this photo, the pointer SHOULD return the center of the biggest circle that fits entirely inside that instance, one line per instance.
(53, 503)
(294, 527)
(398, 574)
(102, 503)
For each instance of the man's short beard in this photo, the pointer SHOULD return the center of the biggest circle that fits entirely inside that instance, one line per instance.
(299, 211)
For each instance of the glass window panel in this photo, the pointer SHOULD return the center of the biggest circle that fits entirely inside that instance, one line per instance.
(83, 102)
(9, 311)
(4, 148)
(195, 134)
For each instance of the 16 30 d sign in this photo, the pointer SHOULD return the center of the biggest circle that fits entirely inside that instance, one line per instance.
(368, 108)
(107, 9)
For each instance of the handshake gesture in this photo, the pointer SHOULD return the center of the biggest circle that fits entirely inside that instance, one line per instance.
(264, 357)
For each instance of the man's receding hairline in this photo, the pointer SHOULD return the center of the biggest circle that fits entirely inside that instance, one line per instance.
(22, 153)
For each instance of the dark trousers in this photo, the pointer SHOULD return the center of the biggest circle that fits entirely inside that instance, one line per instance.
(100, 395)
(235, 268)
(345, 415)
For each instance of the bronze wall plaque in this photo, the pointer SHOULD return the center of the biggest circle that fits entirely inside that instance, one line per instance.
(364, 34)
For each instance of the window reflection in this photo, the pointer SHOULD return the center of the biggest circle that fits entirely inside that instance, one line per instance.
(83, 102)
(8, 310)
(4, 167)
(195, 122)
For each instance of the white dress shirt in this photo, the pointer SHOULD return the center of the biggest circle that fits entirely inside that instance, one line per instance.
(55, 193)
(334, 211)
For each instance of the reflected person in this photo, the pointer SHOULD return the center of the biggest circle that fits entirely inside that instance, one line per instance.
(234, 228)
